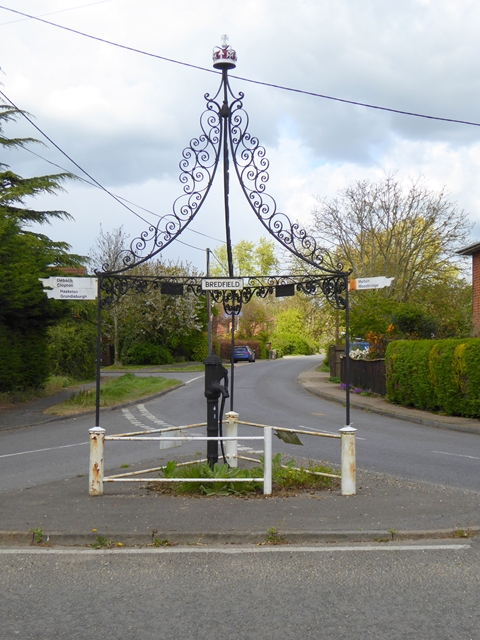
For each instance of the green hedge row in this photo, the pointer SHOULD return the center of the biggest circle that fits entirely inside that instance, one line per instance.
(23, 358)
(436, 375)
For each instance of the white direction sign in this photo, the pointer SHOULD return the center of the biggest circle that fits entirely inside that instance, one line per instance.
(379, 282)
(65, 288)
(221, 284)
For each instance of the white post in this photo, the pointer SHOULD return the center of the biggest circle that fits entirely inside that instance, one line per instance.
(95, 475)
(348, 461)
(231, 429)
(267, 461)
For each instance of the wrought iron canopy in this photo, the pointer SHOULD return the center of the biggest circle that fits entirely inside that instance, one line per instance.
(114, 286)
(225, 134)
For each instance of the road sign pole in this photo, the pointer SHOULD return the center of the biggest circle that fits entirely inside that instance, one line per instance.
(99, 352)
(347, 357)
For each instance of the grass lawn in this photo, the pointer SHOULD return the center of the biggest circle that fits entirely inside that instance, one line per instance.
(112, 392)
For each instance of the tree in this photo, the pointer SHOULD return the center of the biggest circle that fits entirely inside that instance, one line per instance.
(404, 231)
(290, 335)
(105, 254)
(25, 256)
(387, 229)
(156, 327)
(249, 259)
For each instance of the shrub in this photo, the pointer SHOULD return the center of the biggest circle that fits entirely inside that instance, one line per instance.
(72, 350)
(146, 353)
(435, 375)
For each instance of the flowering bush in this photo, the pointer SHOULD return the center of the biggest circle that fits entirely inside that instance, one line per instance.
(359, 354)
(379, 342)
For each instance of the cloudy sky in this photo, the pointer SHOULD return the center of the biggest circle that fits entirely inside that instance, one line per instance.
(125, 117)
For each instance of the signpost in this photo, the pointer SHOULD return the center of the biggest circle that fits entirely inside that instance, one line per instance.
(65, 288)
(357, 284)
(379, 282)
(221, 284)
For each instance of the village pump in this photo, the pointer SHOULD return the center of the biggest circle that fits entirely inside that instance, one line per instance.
(215, 372)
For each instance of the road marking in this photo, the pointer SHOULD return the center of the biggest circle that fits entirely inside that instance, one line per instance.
(63, 446)
(300, 426)
(457, 455)
(133, 420)
(146, 413)
(235, 550)
(193, 379)
(249, 450)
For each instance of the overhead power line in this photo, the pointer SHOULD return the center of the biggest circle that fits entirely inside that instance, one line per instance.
(50, 13)
(258, 82)
(117, 197)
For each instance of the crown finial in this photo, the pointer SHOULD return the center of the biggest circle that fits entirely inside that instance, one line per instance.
(224, 57)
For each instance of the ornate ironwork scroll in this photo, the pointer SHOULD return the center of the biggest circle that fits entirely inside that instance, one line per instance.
(198, 166)
(224, 125)
(114, 286)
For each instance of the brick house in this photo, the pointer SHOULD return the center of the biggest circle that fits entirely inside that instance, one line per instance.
(474, 251)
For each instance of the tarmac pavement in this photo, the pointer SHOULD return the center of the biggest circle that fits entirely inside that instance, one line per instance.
(383, 509)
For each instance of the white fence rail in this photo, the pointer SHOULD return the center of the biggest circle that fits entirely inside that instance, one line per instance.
(97, 477)
(97, 457)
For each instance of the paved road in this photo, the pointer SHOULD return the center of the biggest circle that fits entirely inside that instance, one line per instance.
(395, 591)
(265, 392)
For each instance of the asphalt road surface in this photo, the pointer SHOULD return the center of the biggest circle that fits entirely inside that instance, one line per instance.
(394, 591)
(265, 392)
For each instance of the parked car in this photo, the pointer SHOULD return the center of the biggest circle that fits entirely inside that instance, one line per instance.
(243, 353)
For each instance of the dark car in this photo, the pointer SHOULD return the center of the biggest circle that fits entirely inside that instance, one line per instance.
(243, 353)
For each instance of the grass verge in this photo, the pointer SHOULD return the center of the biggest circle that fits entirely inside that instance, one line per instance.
(53, 385)
(112, 392)
(158, 368)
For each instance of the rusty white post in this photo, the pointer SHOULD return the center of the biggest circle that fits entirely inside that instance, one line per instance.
(267, 461)
(231, 429)
(348, 462)
(95, 475)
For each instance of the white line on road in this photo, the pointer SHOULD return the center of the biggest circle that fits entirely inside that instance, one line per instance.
(63, 446)
(457, 455)
(136, 423)
(144, 411)
(193, 379)
(234, 550)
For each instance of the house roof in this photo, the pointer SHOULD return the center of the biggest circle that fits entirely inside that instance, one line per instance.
(470, 250)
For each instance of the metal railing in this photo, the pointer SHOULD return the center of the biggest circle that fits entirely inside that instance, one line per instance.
(346, 435)
(97, 477)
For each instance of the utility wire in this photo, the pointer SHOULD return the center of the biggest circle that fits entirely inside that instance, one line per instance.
(93, 184)
(100, 186)
(264, 84)
(82, 6)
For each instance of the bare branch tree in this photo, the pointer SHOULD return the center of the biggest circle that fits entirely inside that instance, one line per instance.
(388, 228)
(106, 250)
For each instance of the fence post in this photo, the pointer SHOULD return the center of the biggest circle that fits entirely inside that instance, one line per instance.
(231, 429)
(267, 461)
(95, 474)
(348, 461)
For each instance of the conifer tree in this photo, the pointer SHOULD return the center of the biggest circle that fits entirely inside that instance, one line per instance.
(26, 256)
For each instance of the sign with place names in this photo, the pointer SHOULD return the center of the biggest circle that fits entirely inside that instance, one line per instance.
(65, 288)
(221, 284)
(379, 282)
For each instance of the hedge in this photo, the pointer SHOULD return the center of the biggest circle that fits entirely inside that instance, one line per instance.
(436, 375)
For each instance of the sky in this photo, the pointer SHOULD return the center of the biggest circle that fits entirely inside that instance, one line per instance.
(125, 117)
